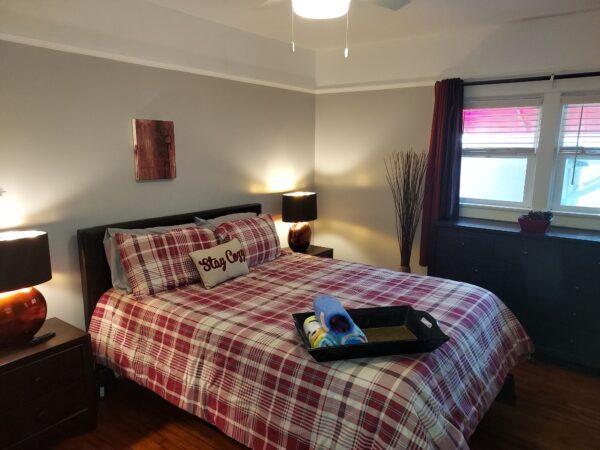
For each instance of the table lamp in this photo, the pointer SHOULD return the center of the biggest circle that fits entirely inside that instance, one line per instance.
(299, 208)
(24, 262)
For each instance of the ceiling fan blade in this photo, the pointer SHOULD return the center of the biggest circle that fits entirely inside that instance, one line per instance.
(394, 5)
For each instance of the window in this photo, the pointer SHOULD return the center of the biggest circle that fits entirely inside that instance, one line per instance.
(577, 186)
(533, 145)
(499, 147)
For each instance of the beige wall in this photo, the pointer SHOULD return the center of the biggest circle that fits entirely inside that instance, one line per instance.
(66, 158)
(354, 133)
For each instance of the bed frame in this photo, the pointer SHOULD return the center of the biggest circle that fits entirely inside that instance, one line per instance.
(95, 273)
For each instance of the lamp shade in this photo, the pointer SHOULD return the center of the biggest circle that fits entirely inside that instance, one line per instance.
(299, 207)
(24, 259)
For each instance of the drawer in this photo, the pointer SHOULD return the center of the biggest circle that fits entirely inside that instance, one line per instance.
(32, 417)
(570, 343)
(486, 274)
(582, 283)
(44, 375)
(566, 315)
(476, 245)
(30, 381)
(71, 364)
(577, 255)
(446, 266)
(516, 250)
(447, 241)
(463, 243)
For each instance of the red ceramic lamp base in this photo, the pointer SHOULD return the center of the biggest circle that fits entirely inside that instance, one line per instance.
(22, 314)
(299, 237)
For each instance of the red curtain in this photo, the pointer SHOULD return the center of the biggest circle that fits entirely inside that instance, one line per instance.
(442, 181)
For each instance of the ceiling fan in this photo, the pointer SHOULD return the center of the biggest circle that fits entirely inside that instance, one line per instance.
(330, 9)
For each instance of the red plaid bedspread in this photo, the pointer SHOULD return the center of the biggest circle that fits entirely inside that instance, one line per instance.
(231, 356)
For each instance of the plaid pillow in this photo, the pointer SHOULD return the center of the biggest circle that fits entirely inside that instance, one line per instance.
(158, 262)
(256, 234)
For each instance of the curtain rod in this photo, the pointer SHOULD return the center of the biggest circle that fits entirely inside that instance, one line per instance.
(563, 76)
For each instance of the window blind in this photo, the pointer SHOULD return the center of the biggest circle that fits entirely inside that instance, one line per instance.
(580, 128)
(501, 130)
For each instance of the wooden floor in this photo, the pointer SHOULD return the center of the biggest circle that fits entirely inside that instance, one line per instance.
(556, 409)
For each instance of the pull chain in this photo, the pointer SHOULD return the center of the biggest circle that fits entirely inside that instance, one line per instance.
(346, 51)
(293, 42)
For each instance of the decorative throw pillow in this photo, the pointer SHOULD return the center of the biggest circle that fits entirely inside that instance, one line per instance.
(220, 263)
(212, 224)
(257, 235)
(158, 262)
(113, 256)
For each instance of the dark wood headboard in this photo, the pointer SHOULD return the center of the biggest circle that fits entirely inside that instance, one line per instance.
(95, 273)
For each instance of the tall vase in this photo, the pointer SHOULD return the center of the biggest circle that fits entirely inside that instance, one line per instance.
(405, 263)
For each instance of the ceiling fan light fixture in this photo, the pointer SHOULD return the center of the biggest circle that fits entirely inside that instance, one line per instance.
(320, 9)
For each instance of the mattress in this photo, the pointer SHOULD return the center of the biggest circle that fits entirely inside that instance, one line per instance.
(231, 356)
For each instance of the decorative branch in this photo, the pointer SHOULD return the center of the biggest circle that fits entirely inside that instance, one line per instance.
(405, 173)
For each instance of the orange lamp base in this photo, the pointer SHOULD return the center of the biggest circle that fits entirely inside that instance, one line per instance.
(299, 237)
(22, 314)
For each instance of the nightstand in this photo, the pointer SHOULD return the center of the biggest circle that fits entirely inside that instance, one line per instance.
(47, 389)
(324, 252)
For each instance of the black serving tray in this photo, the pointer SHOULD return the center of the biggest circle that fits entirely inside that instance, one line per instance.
(428, 334)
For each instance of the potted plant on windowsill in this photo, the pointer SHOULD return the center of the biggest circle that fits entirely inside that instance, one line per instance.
(535, 221)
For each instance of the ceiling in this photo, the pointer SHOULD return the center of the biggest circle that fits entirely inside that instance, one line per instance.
(371, 24)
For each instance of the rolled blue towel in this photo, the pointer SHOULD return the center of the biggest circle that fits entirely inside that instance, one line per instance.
(336, 321)
(355, 337)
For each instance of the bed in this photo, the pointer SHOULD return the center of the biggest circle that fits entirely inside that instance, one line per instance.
(231, 355)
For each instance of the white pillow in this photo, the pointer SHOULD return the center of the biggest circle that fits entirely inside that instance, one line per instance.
(220, 263)
(212, 224)
(113, 257)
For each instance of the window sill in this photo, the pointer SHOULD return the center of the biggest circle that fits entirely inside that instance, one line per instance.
(512, 213)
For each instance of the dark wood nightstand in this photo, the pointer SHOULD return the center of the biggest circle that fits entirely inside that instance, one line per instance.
(47, 389)
(324, 252)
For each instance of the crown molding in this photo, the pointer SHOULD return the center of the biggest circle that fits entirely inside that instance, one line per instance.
(146, 62)
(208, 73)
(373, 86)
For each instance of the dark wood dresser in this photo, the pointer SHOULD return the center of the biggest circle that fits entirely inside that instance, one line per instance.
(550, 281)
(48, 389)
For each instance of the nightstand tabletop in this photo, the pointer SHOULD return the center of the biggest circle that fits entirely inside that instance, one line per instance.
(315, 250)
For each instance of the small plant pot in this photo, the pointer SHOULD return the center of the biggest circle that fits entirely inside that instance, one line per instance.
(533, 225)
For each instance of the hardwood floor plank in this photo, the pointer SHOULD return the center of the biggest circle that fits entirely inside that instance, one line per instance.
(556, 409)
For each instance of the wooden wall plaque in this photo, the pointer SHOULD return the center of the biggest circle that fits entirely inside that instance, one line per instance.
(154, 149)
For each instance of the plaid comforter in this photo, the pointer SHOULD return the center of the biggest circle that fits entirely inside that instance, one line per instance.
(231, 356)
